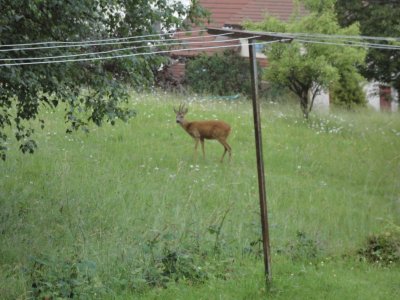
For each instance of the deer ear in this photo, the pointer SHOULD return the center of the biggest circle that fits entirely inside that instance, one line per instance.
(175, 111)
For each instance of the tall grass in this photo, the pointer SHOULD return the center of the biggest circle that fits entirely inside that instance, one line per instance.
(127, 198)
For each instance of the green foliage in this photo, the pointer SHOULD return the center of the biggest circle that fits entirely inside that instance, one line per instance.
(375, 18)
(319, 6)
(308, 69)
(164, 263)
(51, 278)
(26, 89)
(383, 248)
(348, 92)
(303, 248)
(219, 74)
(165, 260)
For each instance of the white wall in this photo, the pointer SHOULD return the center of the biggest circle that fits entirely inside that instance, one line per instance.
(395, 97)
(244, 49)
(373, 98)
(321, 102)
(371, 90)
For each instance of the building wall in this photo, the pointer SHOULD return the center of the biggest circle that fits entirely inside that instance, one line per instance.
(321, 102)
(244, 49)
(375, 96)
(372, 92)
(395, 97)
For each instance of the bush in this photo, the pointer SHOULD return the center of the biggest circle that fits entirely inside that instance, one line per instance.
(54, 278)
(219, 74)
(302, 249)
(382, 248)
(347, 92)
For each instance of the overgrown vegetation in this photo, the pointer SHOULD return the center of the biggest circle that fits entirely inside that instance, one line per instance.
(51, 278)
(303, 248)
(376, 18)
(126, 212)
(223, 74)
(26, 89)
(383, 248)
(348, 90)
(308, 69)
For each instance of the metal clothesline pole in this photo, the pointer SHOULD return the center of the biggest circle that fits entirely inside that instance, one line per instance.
(260, 163)
(253, 36)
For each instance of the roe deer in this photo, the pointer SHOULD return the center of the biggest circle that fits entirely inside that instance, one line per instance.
(201, 130)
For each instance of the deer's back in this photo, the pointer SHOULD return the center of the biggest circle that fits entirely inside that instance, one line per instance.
(212, 129)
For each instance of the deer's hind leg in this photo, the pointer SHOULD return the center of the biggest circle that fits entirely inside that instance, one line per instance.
(227, 148)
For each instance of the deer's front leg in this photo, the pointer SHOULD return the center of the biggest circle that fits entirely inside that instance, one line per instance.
(195, 147)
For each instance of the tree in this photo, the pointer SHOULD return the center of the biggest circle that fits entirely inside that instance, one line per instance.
(309, 68)
(376, 18)
(24, 89)
(347, 92)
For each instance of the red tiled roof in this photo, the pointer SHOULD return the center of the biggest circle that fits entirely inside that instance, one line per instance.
(234, 12)
(237, 11)
(222, 11)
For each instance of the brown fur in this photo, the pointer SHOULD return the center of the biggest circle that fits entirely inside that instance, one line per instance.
(201, 130)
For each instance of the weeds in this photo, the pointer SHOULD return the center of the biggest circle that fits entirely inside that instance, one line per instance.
(52, 278)
(383, 248)
(165, 260)
(216, 229)
(303, 249)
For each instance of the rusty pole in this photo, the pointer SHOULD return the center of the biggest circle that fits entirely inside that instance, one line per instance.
(260, 164)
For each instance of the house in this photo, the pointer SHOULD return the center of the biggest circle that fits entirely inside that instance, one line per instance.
(230, 14)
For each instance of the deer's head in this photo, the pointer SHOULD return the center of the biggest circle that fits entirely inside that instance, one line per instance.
(180, 113)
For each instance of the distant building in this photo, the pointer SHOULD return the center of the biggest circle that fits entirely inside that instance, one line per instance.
(231, 14)
(381, 97)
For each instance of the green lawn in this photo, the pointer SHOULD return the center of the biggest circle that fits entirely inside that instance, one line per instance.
(126, 212)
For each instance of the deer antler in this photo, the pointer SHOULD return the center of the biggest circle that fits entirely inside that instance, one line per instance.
(181, 109)
(184, 109)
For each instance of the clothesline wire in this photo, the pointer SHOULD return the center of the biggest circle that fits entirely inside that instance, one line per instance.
(123, 49)
(297, 38)
(101, 40)
(133, 54)
(139, 39)
(85, 45)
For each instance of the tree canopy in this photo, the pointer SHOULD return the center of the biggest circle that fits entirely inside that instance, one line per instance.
(376, 19)
(309, 68)
(24, 89)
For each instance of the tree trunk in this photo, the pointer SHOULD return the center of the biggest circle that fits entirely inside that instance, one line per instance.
(304, 104)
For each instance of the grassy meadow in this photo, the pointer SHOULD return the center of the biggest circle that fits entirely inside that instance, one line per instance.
(125, 212)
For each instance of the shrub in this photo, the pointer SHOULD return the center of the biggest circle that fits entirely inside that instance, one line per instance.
(54, 278)
(382, 248)
(219, 74)
(347, 92)
(302, 249)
